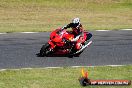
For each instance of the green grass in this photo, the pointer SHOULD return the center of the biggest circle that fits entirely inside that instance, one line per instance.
(46, 15)
(65, 77)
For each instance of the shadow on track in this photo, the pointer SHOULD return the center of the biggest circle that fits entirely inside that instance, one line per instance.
(58, 55)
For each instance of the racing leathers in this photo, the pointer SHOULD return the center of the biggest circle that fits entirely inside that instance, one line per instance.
(77, 31)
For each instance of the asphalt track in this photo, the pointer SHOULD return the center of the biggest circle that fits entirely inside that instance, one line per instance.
(17, 50)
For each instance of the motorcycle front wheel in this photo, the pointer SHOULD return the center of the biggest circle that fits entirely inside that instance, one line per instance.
(45, 50)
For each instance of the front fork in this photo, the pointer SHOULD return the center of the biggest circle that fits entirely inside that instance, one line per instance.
(52, 45)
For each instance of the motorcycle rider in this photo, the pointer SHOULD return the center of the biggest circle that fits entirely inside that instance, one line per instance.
(76, 26)
(77, 31)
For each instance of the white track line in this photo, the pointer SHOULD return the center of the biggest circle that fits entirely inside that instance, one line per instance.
(97, 66)
(2, 70)
(127, 29)
(103, 30)
(82, 66)
(28, 32)
(53, 67)
(3, 33)
(26, 68)
(62, 67)
(95, 30)
(115, 65)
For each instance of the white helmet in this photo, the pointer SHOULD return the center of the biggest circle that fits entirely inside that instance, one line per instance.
(76, 21)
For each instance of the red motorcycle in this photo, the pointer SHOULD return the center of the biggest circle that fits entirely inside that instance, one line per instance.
(62, 43)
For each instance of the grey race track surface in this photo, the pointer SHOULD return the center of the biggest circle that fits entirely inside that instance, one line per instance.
(17, 50)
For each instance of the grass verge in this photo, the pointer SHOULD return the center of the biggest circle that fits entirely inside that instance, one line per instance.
(46, 15)
(65, 77)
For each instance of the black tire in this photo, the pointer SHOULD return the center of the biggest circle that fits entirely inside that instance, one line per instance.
(75, 55)
(78, 54)
(70, 56)
(44, 51)
(89, 36)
